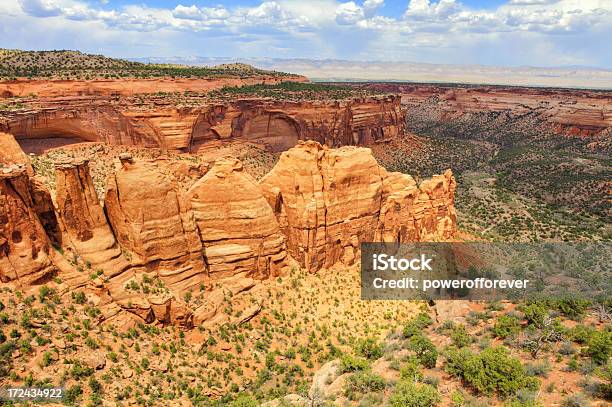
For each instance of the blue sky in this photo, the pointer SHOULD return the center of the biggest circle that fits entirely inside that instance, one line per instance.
(494, 32)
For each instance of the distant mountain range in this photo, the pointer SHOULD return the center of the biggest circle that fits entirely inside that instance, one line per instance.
(343, 70)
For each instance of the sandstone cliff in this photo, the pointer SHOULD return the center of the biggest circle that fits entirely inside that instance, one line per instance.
(237, 227)
(153, 220)
(218, 238)
(11, 153)
(328, 201)
(276, 124)
(83, 220)
(24, 246)
(569, 111)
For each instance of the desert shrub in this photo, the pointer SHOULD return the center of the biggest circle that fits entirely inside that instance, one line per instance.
(538, 369)
(424, 349)
(491, 371)
(410, 394)
(350, 363)
(72, 394)
(369, 348)
(411, 370)
(460, 337)
(600, 346)
(505, 326)
(575, 400)
(535, 312)
(363, 382)
(581, 333)
(416, 325)
(572, 307)
(244, 400)
(79, 370)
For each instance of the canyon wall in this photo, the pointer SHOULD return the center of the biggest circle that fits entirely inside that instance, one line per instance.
(276, 124)
(579, 112)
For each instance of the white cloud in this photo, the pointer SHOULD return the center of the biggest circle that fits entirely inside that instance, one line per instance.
(370, 7)
(430, 30)
(41, 8)
(349, 13)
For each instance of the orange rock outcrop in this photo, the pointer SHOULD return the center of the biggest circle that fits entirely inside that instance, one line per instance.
(83, 220)
(24, 245)
(11, 153)
(278, 125)
(237, 227)
(329, 201)
(220, 236)
(152, 219)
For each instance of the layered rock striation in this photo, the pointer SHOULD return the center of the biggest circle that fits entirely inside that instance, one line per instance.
(579, 112)
(152, 219)
(220, 236)
(24, 245)
(83, 220)
(278, 125)
(329, 201)
(237, 227)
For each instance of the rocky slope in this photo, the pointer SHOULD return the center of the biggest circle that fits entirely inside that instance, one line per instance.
(222, 235)
(568, 111)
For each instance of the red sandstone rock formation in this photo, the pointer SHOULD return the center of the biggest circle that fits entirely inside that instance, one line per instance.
(153, 220)
(328, 201)
(276, 124)
(11, 153)
(24, 246)
(83, 220)
(237, 227)
(417, 213)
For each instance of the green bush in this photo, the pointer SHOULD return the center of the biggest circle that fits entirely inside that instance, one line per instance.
(416, 325)
(369, 348)
(491, 371)
(411, 370)
(353, 364)
(244, 400)
(535, 312)
(424, 349)
(505, 326)
(460, 337)
(600, 346)
(364, 382)
(410, 394)
(572, 307)
(581, 333)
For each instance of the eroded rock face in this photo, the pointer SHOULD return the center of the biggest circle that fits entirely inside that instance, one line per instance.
(153, 220)
(278, 125)
(417, 213)
(24, 246)
(83, 220)
(237, 227)
(328, 201)
(11, 153)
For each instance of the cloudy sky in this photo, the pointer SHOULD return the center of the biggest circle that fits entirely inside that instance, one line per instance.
(489, 32)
